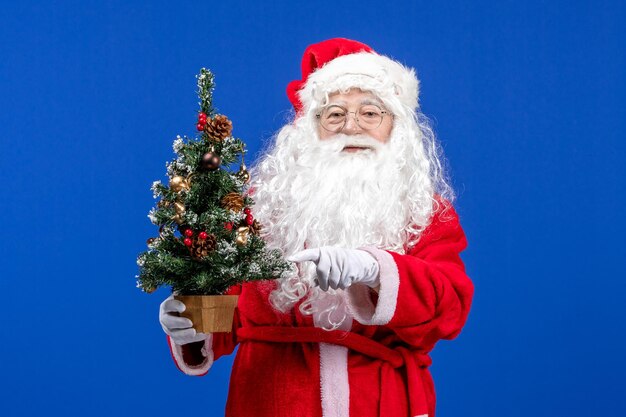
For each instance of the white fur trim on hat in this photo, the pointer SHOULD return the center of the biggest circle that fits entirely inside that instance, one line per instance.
(385, 77)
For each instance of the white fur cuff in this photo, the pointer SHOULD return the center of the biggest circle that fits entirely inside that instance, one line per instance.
(203, 368)
(359, 300)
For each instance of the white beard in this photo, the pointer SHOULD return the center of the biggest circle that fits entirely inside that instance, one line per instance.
(345, 199)
(309, 193)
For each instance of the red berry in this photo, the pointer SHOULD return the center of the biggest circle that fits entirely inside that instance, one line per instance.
(228, 226)
(187, 242)
(246, 210)
(200, 126)
(202, 235)
(188, 232)
(202, 117)
(249, 220)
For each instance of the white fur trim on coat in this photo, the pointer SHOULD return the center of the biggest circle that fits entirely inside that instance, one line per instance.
(203, 368)
(360, 301)
(389, 79)
(334, 384)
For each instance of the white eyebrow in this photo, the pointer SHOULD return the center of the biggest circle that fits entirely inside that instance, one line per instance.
(371, 101)
(365, 101)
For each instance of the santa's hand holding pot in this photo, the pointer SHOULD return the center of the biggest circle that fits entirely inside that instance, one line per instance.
(179, 329)
(339, 268)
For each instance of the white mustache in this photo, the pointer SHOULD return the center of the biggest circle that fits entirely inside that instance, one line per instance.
(360, 141)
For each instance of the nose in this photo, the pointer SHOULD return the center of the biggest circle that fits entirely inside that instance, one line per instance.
(351, 125)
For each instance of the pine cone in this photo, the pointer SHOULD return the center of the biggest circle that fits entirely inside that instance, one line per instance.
(255, 227)
(219, 127)
(202, 247)
(233, 201)
(211, 242)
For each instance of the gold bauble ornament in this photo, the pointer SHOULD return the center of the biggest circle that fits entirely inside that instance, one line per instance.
(178, 183)
(179, 207)
(243, 174)
(178, 219)
(242, 236)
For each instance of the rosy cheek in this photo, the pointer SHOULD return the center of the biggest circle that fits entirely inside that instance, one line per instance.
(382, 136)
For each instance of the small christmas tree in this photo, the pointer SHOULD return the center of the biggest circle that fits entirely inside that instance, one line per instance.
(208, 239)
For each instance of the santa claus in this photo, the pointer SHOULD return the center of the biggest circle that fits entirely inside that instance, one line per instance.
(354, 193)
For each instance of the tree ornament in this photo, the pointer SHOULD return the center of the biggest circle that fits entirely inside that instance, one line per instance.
(228, 226)
(189, 233)
(188, 242)
(233, 201)
(149, 290)
(242, 236)
(202, 235)
(211, 161)
(179, 208)
(178, 183)
(219, 128)
(201, 122)
(243, 173)
(211, 242)
(249, 220)
(150, 241)
(179, 219)
(255, 227)
(246, 210)
(202, 247)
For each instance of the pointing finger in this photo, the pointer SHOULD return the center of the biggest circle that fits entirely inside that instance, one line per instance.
(323, 271)
(305, 255)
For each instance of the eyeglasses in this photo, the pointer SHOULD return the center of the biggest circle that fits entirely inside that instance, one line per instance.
(334, 117)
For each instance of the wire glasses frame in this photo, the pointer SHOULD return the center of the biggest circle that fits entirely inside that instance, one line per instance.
(333, 118)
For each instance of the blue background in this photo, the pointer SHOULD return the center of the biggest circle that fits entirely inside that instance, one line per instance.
(527, 98)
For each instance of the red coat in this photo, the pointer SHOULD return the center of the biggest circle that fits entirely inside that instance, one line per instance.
(285, 366)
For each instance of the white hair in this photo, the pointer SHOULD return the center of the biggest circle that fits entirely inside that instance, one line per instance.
(308, 194)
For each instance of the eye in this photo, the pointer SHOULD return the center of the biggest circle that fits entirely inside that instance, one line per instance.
(334, 113)
(370, 111)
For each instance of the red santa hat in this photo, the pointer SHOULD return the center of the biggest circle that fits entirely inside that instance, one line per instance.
(339, 64)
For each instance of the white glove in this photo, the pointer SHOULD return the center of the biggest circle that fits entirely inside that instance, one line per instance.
(180, 329)
(339, 267)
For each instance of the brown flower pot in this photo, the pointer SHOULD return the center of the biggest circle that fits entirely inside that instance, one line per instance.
(209, 313)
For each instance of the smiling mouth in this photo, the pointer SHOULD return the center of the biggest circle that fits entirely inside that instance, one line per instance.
(355, 148)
